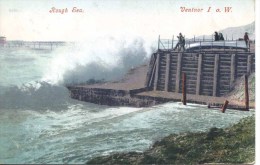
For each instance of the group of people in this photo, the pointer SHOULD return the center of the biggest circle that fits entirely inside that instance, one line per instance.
(218, 36)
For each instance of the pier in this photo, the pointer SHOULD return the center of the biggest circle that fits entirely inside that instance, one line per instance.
(35, 45)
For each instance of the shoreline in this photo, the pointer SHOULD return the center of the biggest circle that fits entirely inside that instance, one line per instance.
(234, 144)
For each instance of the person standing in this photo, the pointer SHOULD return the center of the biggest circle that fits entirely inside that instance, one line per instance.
(246, 38)
(181, 42)
(221, 38)
(216, 36)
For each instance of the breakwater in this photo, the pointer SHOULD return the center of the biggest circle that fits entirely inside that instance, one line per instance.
(112, 97)
(211, 75)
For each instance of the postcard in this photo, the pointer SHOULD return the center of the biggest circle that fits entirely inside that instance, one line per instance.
(128, 82)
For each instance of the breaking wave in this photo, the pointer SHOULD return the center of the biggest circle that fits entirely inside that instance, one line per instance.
(38, 80)
(37, 96)
(106, 58)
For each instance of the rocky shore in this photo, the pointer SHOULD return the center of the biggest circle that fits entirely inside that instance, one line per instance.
(235, 145)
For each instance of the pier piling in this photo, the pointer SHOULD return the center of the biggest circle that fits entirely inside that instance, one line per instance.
(184, 88)
(199, 75)
(246, 93)
(233, 69)
(224, 107)
(178, 72)
(215, 78)
(156, 71)
(249, 64)
(167, 72)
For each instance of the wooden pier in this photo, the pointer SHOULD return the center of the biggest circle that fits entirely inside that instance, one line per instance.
(36, 45)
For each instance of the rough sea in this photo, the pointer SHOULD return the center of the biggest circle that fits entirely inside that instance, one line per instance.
(40, 123)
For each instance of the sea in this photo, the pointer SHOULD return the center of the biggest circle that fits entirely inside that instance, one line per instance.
(40, 123)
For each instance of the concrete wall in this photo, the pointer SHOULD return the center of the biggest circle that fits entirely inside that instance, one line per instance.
(112, 97)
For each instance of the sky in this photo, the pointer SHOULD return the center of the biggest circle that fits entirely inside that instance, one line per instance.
(32, 20)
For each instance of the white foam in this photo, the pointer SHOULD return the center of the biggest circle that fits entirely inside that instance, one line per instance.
(99, 58)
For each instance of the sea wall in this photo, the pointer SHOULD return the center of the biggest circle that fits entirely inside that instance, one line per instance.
(210, 73)
(137, 98)
(114, 97)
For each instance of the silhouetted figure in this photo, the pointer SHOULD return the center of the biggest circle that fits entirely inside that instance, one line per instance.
(181, 42)
(246, 38)
(221, 38)
(216, 36)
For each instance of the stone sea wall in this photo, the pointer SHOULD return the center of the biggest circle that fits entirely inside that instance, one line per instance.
(114, 97)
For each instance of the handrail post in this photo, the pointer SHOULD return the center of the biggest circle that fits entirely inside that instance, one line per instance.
(200, 46)
(168, 45)
(236, 45)
(224, 45)
(172, 41)
(159, 43)
(249, 45)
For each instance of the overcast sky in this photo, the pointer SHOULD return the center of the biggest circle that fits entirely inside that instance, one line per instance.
(31, 19)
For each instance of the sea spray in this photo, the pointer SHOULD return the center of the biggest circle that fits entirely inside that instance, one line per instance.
(36, 79)
(101, 58)
(37, 96)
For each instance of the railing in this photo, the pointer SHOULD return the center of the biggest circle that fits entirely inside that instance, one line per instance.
(203, 43)
(34, 44)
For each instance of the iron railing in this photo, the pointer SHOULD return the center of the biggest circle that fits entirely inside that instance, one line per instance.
(202, 43)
